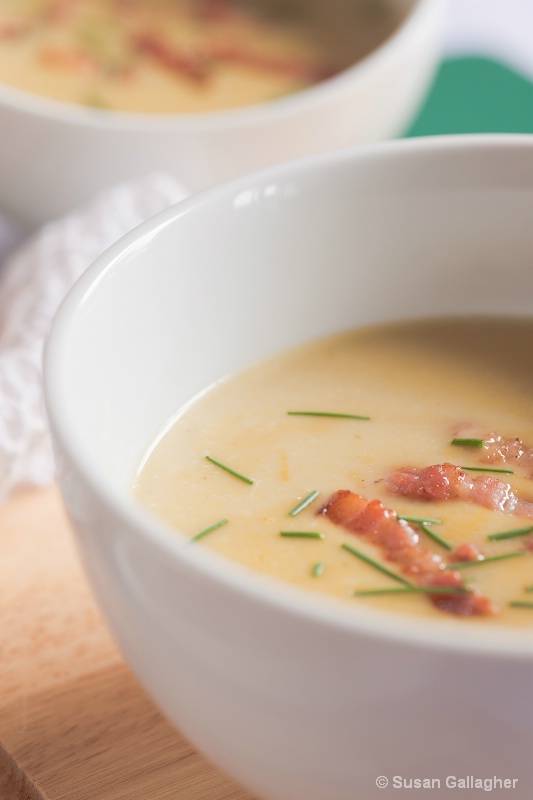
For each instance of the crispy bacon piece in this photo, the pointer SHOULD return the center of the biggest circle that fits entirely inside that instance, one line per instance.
(67, 59)
(466, 552)
(499, 449)
(463, 605)
(215, 10)
(195, 65)
(399, 543)
(448, 482)
(59, 11)
(14, 28)
(274, 65)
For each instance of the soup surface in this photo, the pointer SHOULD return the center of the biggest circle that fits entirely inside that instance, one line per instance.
(446, 436)
(182, 55)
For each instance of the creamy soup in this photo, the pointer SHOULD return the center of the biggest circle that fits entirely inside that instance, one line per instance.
(183, 55)
(430, 420)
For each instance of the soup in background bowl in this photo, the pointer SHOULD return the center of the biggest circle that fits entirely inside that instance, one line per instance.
(102, 91)
(292, 693)
(175, 56)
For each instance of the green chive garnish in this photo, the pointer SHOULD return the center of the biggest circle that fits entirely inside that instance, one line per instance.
(425, 520)
(468, 442)
(302, 534)
(231, 471)
(495, 537)
(520, 604)
(325, 414)
(488, 560)
(304, 503)
(489, 469)
(375, 564)
(210, 529)
(528, 588)
(412, 590)
(317, 569)
(436, 538)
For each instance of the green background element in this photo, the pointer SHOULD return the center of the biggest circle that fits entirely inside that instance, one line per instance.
(475, 95)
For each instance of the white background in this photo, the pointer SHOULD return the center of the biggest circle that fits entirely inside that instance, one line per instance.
(502, 29)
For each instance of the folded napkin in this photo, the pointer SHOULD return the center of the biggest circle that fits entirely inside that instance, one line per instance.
(34, 278)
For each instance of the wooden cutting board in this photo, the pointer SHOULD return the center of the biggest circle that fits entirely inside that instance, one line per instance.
(74, 723)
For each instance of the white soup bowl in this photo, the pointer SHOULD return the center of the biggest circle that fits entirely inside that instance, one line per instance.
(294, 695)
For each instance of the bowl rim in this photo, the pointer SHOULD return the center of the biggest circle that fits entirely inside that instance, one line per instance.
(258, 113)
(449, 636)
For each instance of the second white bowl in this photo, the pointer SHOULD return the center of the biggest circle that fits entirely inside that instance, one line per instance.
(55, 156)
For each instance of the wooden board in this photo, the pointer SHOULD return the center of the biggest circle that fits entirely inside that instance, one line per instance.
(74, 723)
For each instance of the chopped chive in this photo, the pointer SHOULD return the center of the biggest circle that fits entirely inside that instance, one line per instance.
(528, 588)
(302, 534)
(520, 604)
(489, 469)
(210, 529)
(469, 442)
(304, 503)
(325, 414)
(412, 590)
(436, 538)
(495, 537)
(425, 520)
(375, 564)
(231, 471)
(488, 560)
(317, 569)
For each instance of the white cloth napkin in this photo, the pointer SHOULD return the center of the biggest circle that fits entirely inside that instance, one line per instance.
(34, 278)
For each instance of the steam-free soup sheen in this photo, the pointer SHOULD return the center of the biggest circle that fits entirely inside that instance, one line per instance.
(423, 384)
(183, 55)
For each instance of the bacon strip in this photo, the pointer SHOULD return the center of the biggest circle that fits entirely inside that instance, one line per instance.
(275, 65)
(215, 10)
(197, 64)
(59, 11)
(68, 59)
(501, 450)
(399, 543)
(448, 482)
(194, 65)
(14, 28)
(466, 552)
